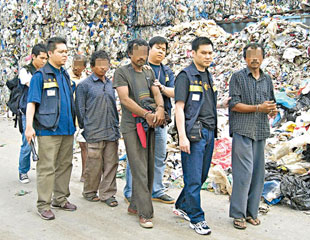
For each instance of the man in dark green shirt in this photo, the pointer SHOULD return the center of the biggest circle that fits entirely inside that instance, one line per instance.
(137, 93)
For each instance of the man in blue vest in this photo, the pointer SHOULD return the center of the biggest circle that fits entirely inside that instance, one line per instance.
(50, 109)
(38, 60)
(195, 110)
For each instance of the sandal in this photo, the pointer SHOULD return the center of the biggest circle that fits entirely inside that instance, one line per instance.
(93, 198)
(111, 202)
(240, 223)
(252, 221)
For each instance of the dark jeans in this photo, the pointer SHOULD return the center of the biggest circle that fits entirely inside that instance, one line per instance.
(141, 162)
(195, 171)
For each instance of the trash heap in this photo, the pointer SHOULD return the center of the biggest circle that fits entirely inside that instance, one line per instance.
(92, 25)
(286, 61)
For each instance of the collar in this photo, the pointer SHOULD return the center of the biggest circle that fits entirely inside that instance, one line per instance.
(52, 69)
(32, 67)
(194, 71)
(261, 73)
(95, 78)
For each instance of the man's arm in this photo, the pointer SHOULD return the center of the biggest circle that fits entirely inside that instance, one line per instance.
(237, 106)
(167, 90)
(133, 107)
(80, 105)
(30, 132)
(160, 110)
(184, 143)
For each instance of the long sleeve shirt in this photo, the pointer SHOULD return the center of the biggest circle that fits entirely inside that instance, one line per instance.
(96, 110)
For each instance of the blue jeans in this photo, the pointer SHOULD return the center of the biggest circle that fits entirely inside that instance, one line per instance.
(25, 151)
(160, 157)
(195, 171)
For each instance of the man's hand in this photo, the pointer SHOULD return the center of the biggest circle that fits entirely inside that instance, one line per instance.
(147, 67)
(150, 119)
(273, 113)
(29, 134)
(224, 103)
(160, 116)
(159, 85)
(267, 107)
(184, 144)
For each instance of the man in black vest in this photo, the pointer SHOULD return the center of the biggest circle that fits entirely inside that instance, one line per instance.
(51, 108)
(195, 110)
(38, 60)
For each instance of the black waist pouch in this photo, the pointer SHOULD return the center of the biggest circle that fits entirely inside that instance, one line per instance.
(195, 134)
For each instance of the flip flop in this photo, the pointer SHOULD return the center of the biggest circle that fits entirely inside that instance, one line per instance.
(252, 221)
(237, 222)
(93, 198)
(111, 202)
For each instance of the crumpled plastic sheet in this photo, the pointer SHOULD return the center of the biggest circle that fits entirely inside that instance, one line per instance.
(272, 192)
(297, 190)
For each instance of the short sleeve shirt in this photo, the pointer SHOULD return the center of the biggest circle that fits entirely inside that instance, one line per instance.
(244, 88)
(128, 122)
(206, 115)
(66, 125)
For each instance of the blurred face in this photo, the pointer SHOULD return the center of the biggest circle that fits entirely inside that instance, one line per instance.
(203, 57)
(40, 60)
(59, 56)
(157, 53)
(78, 67)
(139, 55)
(254, 58)
(101, 67)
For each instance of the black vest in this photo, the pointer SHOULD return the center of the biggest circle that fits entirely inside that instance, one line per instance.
(192, 108)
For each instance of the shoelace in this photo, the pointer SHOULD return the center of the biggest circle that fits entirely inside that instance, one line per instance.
(203, 224)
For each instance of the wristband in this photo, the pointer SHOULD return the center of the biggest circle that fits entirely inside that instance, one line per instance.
(163, 88)
(145, 114)
(160, 106)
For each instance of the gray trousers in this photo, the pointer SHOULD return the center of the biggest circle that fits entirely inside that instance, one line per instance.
(248, 170)
(141, 162)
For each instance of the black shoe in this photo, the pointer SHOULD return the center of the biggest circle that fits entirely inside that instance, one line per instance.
(164, 199)
(23, 178)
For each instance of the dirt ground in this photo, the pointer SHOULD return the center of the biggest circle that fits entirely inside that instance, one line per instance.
(19, 220)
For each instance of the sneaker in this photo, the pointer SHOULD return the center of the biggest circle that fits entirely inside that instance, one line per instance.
(46, 214)
(23, 178)
(201, 228)
(145, 223)
(181, 213)
(164, 199)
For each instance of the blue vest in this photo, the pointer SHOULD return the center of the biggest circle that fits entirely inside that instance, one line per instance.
(48, 112)
(192, 108)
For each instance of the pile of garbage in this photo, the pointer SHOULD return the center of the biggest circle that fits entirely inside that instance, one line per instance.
(92, 25)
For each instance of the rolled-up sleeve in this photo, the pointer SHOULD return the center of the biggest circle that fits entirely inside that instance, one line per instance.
(80, 104)
(234, 91)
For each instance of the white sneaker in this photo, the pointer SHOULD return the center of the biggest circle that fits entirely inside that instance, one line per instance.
(181, 213)
(23, 178)
(201, 228)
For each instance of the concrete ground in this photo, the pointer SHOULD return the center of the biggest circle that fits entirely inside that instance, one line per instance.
(19, 220)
